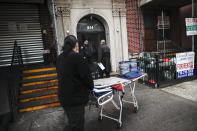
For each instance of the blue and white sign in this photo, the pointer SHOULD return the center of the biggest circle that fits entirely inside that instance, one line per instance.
(185, 64)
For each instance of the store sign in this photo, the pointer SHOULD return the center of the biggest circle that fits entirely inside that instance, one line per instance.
(163, 24)
(185, 64)
(191, 26)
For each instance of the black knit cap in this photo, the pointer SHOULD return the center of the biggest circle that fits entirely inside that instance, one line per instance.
(70, 40)
(69, 43)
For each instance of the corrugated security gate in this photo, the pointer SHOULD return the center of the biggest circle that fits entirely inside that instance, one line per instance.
(20, 22)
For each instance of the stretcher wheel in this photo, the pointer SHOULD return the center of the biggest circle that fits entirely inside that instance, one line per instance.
(119, 125)
(100, 118)
(156, 86)
(135, 109)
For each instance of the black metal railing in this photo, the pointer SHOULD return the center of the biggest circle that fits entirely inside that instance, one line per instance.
(17, 55)
(161, 69)
(15, 76)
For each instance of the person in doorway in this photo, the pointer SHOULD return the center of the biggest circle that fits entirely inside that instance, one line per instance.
(85, 50)
(104, 58)
(75, 82)
(86, 53)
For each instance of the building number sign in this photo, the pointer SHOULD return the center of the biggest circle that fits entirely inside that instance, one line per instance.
(90, 27)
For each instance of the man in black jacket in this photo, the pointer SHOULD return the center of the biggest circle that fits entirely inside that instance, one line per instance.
(86, 53)
(85, 50)
(104, 58)
(75, 82)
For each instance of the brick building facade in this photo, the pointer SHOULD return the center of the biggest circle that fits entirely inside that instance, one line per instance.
(135, 26)
(142, 20)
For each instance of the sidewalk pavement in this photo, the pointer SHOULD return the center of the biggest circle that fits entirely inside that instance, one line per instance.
(187, 90)
(158, 111)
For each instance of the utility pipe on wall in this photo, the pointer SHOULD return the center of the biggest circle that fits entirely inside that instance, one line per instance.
(193, 17)
(55, 26)
(119, 12)
(139, 25)
(164, 41)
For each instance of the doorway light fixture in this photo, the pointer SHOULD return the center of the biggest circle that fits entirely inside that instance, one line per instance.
(67, 32)
(117, 30)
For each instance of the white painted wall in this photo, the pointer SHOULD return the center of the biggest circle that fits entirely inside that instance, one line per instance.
(115, 26)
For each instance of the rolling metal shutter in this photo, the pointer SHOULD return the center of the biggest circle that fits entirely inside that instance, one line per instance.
(20, 22)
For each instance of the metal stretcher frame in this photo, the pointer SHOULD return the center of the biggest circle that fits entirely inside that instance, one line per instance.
(132, 91)
(109, 95)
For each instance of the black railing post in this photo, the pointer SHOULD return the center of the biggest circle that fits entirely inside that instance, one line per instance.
(13, 53)
(14, 91)
(17, 55)
(157, 71)
(20, 58)
(195, 62)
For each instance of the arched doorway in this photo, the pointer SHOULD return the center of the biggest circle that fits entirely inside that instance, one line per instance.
(91, 28)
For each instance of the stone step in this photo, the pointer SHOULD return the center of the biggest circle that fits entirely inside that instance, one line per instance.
(38, 73)
(30, 71)
(37, 78)
(38, 92)
(38, 101)
(37, 66)
(39, 85)
(40, 107)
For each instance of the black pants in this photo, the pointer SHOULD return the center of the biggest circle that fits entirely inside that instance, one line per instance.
(75, 118)
(107, 74)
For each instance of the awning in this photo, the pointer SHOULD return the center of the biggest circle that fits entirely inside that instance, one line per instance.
(164, 3)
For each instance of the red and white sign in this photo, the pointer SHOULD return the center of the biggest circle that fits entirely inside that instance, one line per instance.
(191, 21)
(185, 64)
(191, 26)
(163, 24)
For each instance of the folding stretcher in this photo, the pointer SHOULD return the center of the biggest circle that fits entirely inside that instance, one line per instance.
(104, 92)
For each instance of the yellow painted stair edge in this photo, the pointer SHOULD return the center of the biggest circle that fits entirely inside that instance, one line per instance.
(39, 107)
(39, 83)
(39, 76)
(38, 98)
(39, 70)
(36, 90)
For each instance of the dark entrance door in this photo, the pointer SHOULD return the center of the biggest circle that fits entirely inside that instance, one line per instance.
(92, 29)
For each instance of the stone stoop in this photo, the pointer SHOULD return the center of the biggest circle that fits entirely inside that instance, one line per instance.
(38, 88)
